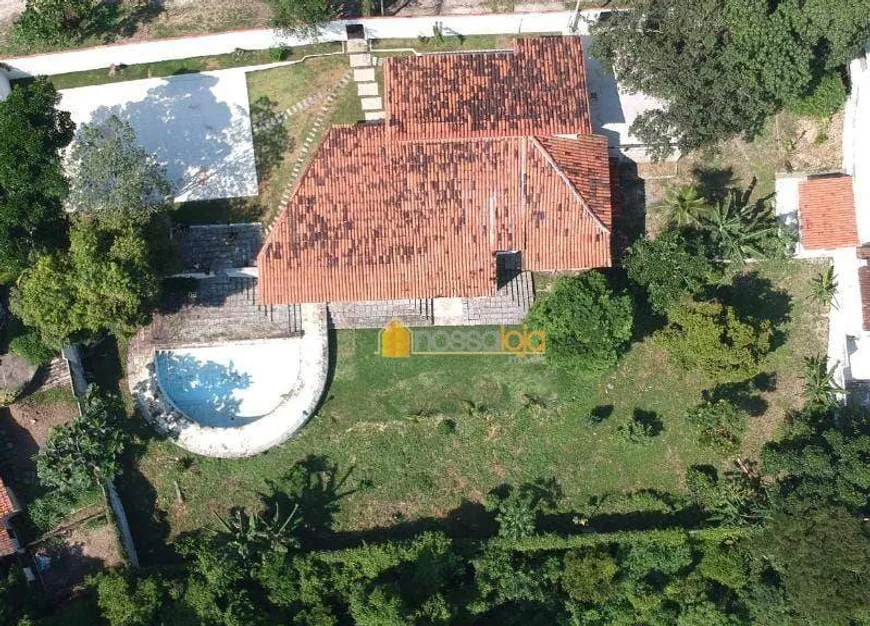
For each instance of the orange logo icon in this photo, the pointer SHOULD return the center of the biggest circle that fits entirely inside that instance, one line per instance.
(395, 341)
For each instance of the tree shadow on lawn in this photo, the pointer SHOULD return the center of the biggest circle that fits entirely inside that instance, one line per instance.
(714, 183)
(744, 394)
(755, 298)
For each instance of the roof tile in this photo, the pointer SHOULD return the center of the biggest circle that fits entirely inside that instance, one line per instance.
(827, 213)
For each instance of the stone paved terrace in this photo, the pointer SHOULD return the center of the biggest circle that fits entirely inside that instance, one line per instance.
(214, 248)
(509, 305)
(218, 309)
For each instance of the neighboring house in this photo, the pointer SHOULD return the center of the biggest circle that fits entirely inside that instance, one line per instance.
(484, 169)
(824, 210)
(832, 212)
(9, 507)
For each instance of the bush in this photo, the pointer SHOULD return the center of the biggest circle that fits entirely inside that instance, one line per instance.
(826, 98)
(8, 396)
(54, 21)
(642, 427)
(30, 347)
(587, 324)
(721, 424)
(279, 53)
(710, 337)
(668, 268)
(302, 17)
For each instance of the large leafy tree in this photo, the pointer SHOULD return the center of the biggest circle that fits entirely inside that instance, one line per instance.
(113, 178)
(32, 184)
(713, 338)
(86, 451)
(669, 267)
(587, 323)
(723, 66)
(107, 281)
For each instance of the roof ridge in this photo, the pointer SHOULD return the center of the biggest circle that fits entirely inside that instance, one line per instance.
(565, 179)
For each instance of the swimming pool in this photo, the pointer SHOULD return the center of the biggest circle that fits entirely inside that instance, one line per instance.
(229, 385)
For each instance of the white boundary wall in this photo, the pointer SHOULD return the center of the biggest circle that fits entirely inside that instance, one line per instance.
(261, 39)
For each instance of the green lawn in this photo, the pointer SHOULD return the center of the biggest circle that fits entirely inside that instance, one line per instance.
(388, 422)
(241, 58)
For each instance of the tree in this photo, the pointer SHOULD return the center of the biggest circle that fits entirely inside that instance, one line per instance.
(127, 601)
(32, 184)
(107, 281)
(669, 267)
(54, 21)
(586, 322)
(713, 338)
(820, 389)
(114, 179)
(724, 66)
(253, 536)
(589, 575)
(684, 206)
(740, 229)
(303, 17)
(85, 452)
(825, 286)
(822, 558)
(516, 516)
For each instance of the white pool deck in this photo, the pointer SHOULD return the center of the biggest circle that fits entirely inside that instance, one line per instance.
(197, 125)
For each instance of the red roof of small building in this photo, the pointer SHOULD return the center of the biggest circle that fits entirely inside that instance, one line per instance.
(375, 221)
(827, 213)
(538, 88)
(8, 508)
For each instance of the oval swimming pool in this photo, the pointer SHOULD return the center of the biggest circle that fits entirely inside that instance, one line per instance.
(228, 385)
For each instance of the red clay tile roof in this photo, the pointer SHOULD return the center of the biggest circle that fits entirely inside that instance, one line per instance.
(537, 89)
(7, 509)
(374, 220)
(827, 213)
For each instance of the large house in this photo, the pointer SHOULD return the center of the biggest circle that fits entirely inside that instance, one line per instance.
(485, 168)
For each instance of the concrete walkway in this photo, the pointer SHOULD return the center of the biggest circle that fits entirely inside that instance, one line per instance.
(256, 436)
(363, 65)
(263, 39)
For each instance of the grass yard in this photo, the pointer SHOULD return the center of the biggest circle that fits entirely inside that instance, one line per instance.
(788, 144)
(416, 449)
(240, 58)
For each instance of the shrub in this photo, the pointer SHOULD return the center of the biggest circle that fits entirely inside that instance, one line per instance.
(710, 337)
(54, 21)
(825, 99)
(642, 427)
(302, 17)
(668, 267)
(8, 396)
(86, 451)
(30, 347)
(586, 322)
(279, 53)
(516, 517)
(721, 424)
(588, 575)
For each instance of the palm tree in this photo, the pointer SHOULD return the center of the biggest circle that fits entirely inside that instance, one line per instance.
(253, 536)
(739, 227)
(684, 206)
(820, 388)
(825, 286)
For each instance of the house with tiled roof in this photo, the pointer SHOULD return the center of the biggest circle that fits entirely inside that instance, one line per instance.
(9, 507)
(484, 170)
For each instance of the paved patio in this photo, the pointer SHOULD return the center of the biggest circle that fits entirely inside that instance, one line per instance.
(197, 125)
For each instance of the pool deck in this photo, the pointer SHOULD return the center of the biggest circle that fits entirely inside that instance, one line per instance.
(253, 437)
